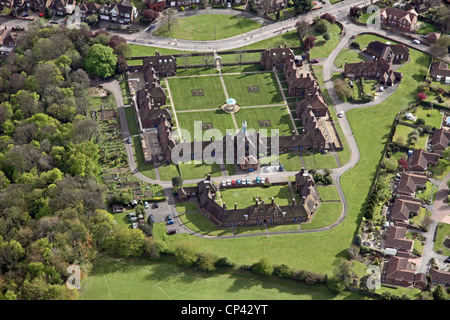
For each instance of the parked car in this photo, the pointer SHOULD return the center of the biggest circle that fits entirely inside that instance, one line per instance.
(129, 140)
(248, 181)
(281, 168)
(416, 41)
(170, 222)
(152, 27)
(152, 218)
(238, 181)
(228, 182)
(424, 36)
(229, 5)
(257, 180)
(172, 231)
(169, 217)
(224, 183)
(447, 260)
(341, 114)
(267, 180)
(233, 182)
(25, 15)
(146, 205)
(156, 205)
(314, 61)
(243, 181)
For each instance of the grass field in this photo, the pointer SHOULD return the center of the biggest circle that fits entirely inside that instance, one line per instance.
(327, 213)
(328, 193)
(131, 120)
(143, 279)
(183, 207)
(278, 116)
(404, 131)
(244, 197)
(208, 27)
(201, 170)
(168, 171)
(323, 48)
(183, 98)
(269, 93)
(319, 161)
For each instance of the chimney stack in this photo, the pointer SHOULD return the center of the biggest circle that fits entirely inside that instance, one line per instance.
(224, 206)
(273, 201)
(235, 206)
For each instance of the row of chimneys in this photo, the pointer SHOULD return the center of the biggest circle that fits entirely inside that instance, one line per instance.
(224, 205)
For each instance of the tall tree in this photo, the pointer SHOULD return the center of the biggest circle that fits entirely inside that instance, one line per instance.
(101, 61)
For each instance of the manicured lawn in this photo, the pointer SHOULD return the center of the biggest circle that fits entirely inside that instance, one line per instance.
(131, 120)
(428, 193)
(196, 222)
(404, 131)
(189, 206)
(184, 99)
(426, 28)
(196, 71)
(197, 171)
(268, 91)
(365, 39)
(143, 279)
(432, 117)
(323, 48)
(291, 161)
(278, 116)
(243, 68)
(168, 171)
(327, 213)
(284, 227)
(349, 56)
(244, 197)
(442, 232)
(328, 193)
(219, 120)
(146, 169)
(319, 161)
(208, 27)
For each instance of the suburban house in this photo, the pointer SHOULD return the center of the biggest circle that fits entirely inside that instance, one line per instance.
(400, 271)
(180, 3)
(62, 7)
(433, 37)
(316, 131)
(122, 12)
(404, 208)
(38, 5)
(156, 5)
(420, 160)
(410, 182)
(7, 41)
(392, 53)
(405, 20)
(314, 102)
(395, 239)
(88, 8)
(164, 65)
(421, 6)
(439, 71)
(276, 57)
(440, 140)
(306, 188)
(440, 277)
(228, 215)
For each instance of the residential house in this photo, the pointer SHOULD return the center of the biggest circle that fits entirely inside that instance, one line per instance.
(421, 280)
(38, 5)
(182, 3)
(410, 182)
(378, 69)
(301, 84)
(404, 208)
(121, 12)
(315, 102)
(391, 53)
(440, 277)
(433, 37)
(8, 39)
(314, 129)
(276, 57)
(306, 188)
(400, 271)
(420, 160)
(6, 4)
(87, 9)
(62, 7)
(405, 20)
(439, 71)
(395, 239)
(421, 6)
(165, 65)
(440, 140)
(156, 5)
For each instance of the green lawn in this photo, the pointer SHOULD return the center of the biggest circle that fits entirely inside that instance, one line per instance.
(208, 27)
(198, 223)
(443, 231)
(349, 56)
(168, 171)
(184, 99)
(146, 169)
(189, 206)
(244, 197)
(426, 28)
(365, 39)
(219, 120)
(269, 92)
(327, 213)
(196, 171)
(131, 120)
(278, 116)
(328, 193)
(404, 131)
(143, 279)
(432, 117)
(319, 161)
(428, 193)
(323, 48)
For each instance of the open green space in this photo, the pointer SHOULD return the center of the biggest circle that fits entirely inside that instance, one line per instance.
(208, 27)
(349, 56)
(191, 170)
(403, 131)
(131, 120)
(328, 193)
(218, 119)
(188, 206)
(198, 223)
(319, 161)
(211, 95)
(443, 231)
(168, 171)
(267, 89)
(426, 28)
(323, 48)
(143, 279)
(245, 197)
(365, 39)
(277, 115)
(327, 213)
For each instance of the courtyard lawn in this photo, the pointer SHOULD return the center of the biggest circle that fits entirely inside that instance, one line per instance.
(328, 193)
(243, 68)
(197, 171)
(443, 231)
(131, 120)
(349, 56)
(245, 197)
(365, 39)
(327, 213)
(208, 27)
(217, 119)
(323, 48)
(188, 206)
(404, 131)
(198, 223)
(144, 279)
(265, 85)
(209, 94)
(319, 161)
(168, 171)
(278, 116)
(146, 169)
(196, 71)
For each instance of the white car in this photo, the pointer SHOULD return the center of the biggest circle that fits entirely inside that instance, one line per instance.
(229, 5)
(146, 205)
(224, 183)
(228, 182)
(243, 181)
(341, 114)
(416, 41)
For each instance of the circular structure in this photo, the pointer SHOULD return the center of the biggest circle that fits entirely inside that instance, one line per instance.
(230, 106)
